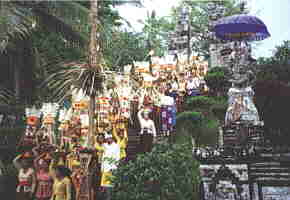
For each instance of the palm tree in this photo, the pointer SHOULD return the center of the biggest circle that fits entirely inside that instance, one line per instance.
(95, 67)
(22, 21)
(86, 75)
(28, 20)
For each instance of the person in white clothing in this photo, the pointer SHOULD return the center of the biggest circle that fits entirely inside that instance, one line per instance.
(192, 86)
(148, 130)
(26, 177)
(110, 160)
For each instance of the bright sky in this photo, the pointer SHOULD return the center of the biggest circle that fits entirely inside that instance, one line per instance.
(274, 13)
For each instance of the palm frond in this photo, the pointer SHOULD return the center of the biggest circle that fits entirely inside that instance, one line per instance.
(16, 23)
(6, 96)
(79, 75)
(64, 18)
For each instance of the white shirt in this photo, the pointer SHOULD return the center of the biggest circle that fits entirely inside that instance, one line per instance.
(111, 153)
(146, 124)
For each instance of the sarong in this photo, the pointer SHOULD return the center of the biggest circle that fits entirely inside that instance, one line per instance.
(168, 118)
(146, 141)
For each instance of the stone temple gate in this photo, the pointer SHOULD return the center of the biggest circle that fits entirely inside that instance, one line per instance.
(244, 169)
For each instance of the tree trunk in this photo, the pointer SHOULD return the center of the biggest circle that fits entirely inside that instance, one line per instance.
(94, 46)
(92, 108)
(94, 62)
(16, 65)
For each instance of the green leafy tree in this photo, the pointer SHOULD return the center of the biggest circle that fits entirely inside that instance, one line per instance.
(187, 126)
(124, 48)
(19, 21)
(168, 172)
(276, 67)
(87, 74)
(193, 126)
(47, 33)
(155, 33)
(282, 53)
(217, 80)
(200, 103)
(272, 100)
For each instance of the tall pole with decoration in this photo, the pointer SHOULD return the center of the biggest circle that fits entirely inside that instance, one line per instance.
(180, 39)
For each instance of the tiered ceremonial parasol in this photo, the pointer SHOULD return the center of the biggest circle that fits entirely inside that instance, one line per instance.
(241, 28)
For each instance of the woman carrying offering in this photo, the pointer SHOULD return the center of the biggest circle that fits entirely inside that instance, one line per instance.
(43, 177)
(26, 177)
(121, 137)
(62, 187)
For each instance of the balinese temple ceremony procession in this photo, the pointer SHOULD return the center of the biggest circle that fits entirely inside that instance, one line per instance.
(145, 100)
(60, 158)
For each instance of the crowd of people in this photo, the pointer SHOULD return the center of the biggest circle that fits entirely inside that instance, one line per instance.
(71, 165)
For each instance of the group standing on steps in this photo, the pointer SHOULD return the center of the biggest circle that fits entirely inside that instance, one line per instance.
(72, 170)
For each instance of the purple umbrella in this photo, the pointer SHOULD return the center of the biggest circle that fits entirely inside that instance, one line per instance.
(241, 28)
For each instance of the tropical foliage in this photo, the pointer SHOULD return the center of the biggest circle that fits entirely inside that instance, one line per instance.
(277, 66)
(124, 48)
(272, 100)
(55, 32)
(168, 172)
(217, 80)
(156, 33)
(199, 103)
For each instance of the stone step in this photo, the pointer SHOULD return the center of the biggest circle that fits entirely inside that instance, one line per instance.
(133, 143)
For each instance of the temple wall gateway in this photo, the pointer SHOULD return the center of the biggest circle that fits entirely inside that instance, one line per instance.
(246, 177)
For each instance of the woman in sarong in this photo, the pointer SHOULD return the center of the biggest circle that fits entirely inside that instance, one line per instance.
(148, 130)
(44, 179)
(26, 177)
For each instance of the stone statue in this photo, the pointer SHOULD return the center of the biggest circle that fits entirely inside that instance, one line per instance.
(241, 103)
